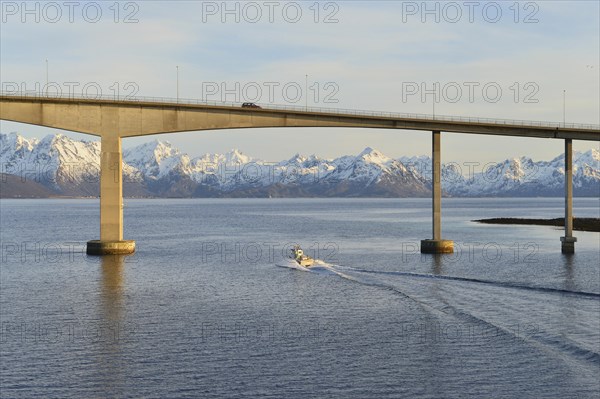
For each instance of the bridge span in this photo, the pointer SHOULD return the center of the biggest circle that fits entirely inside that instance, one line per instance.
(113, 119)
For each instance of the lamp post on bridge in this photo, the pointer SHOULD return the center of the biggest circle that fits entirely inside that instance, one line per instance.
(177, 67)
(306, 89)
(564, 108)
(46, 77)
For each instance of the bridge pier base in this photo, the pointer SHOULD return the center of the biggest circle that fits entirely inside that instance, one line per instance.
(97, 247)
(111, 201)
(567, 245)
(568, 241)
(437, 245)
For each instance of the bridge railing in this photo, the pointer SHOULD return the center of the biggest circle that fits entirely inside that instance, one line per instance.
(395, 115)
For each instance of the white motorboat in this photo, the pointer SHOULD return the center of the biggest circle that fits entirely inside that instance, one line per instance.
(297, 254)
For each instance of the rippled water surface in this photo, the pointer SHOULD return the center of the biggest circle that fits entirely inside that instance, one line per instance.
(202, 309)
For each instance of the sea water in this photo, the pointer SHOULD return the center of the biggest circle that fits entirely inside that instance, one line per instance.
(202, 309)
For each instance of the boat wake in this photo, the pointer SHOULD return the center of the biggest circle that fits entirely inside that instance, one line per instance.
(473, 280)
(506, 308)
(319, 266)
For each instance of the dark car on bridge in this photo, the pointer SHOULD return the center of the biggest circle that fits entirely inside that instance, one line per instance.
(250, 105)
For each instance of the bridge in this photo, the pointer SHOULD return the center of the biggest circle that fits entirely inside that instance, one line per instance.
(113, 119)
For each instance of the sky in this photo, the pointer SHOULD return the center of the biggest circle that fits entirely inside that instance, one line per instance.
(505, 59)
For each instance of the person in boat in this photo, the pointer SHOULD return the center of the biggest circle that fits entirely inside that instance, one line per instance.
(297, 253)
(300, 258)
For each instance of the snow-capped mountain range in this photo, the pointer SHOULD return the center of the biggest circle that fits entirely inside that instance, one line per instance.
(68, 167)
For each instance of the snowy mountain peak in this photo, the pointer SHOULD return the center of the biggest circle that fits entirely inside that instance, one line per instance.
(163, 149)
(591, 158)
(15, 141)
(236, 157)
(297, 159)
(369, 151)
(151, 153)
(373, 156)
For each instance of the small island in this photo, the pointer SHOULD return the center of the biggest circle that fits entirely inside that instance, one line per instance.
(580, 224)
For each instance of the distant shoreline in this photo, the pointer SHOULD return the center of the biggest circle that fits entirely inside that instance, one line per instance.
(579, 224)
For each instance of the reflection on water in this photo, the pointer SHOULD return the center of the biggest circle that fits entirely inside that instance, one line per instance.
(568, 274)
(567, 305)
(111, 361)
(436, 260)
(111, 297)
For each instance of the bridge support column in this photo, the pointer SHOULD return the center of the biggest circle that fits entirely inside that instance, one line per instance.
(568, 241)
(436, 245)
(111, 201)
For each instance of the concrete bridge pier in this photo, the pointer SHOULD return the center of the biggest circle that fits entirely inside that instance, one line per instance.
(437, 245)
(568, 241)
(111, 201)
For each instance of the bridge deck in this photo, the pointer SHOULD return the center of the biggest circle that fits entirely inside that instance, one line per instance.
(295, 116)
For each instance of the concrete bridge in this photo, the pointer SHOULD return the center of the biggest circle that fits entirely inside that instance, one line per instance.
(114, 119)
